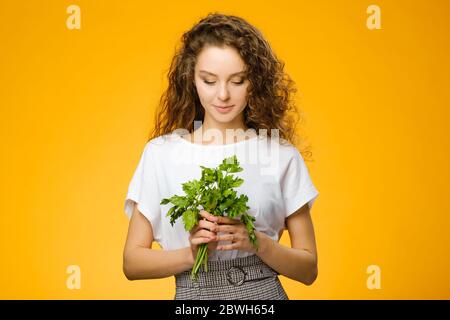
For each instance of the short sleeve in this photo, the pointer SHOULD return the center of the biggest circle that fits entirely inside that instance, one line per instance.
(143, 190)
(296, 185)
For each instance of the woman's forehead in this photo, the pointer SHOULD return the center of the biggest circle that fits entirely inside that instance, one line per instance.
(217, 61)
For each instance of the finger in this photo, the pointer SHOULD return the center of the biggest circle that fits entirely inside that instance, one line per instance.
(233, 246)
(226, 228)
(205, 233)
(194, 229)
(208, 216)
(197, 241)
(226, 237)
(207, 225)
(227, 220)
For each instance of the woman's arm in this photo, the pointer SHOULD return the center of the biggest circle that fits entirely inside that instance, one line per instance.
(140, 261)
(300, 261)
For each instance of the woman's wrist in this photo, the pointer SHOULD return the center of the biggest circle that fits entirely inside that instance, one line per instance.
(189, 257)
(264, 243)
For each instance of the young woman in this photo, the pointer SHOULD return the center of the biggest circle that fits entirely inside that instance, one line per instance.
(227, 93)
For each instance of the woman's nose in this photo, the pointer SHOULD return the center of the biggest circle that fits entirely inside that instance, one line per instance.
(223, 92)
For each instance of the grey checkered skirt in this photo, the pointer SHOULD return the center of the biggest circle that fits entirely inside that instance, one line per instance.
(246, 278)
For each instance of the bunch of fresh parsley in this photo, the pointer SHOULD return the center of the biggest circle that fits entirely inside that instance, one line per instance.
(214, 193)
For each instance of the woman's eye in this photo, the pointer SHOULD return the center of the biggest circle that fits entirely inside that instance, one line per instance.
(212, 82)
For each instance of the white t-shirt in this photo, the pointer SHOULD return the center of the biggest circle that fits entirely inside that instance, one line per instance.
(276, 181)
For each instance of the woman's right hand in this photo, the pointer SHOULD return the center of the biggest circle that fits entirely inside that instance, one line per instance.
(204, 232)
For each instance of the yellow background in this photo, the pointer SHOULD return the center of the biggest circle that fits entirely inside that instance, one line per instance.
(77, 107)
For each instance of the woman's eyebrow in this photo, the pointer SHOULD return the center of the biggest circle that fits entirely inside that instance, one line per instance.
(212, 74)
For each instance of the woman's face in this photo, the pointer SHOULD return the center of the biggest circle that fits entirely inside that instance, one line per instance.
(221, 81)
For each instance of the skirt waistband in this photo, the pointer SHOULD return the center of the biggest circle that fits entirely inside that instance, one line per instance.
(225, 272)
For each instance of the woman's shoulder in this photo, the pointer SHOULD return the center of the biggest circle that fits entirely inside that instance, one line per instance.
(284, 147)
(165, 140)
(158, 146)
(284, 154)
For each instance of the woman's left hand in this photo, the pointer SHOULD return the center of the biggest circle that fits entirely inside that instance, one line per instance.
(236, 232)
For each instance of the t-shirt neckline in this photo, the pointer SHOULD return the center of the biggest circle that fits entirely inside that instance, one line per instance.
(215, 145)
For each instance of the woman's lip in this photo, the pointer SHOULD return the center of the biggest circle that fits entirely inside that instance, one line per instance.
(223, 107)
(224, 110)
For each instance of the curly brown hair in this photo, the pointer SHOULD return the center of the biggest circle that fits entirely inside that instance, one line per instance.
(270, 93)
